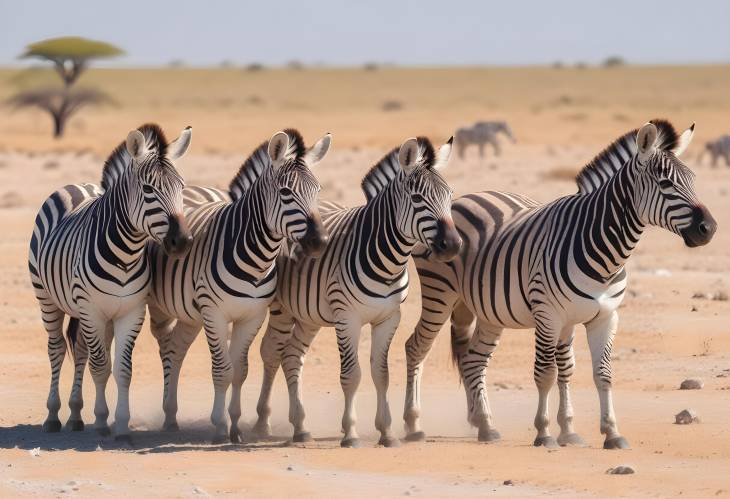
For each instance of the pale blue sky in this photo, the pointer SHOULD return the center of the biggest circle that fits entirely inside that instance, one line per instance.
(344, 32)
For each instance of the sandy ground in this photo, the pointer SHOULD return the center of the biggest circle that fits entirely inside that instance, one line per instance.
(665, 334)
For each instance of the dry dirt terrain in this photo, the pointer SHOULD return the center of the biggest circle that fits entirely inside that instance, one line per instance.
(671, 328)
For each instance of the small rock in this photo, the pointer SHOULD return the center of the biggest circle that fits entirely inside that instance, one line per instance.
(699, 296)
(35, 452)
(200, 492)
(720, 296)
(693, 309)
(508, 482)
(687, 416)
(623, 469)
(290, 468)
(691, 384)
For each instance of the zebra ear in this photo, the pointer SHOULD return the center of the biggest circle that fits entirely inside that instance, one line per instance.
(135, 144)
(684, 140)
(442, 158)
(408, 155)
(318, 151)
(646, 140)
(179, 146)
(278, 145)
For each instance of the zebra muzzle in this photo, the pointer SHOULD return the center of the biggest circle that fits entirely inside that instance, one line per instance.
(702, 228)
(447, 242)
(316, 238)
(178, 239)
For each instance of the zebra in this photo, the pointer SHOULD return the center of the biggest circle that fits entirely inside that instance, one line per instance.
(360, 279)
(482, 133)
(229, 274)
(87, 261)
(550, 267)
(718, 148)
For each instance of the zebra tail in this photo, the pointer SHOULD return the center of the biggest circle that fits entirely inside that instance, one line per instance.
(72, 331)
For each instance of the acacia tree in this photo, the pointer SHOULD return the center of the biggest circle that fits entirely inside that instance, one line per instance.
(70, 57)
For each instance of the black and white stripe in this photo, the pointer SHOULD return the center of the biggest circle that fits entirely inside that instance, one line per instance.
(87, 261)
(229, 275)
(360, 279)
(551, 267)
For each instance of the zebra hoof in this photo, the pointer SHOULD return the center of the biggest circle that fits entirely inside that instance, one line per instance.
(616, 443)
(220, 439)
(416, 436)
(389, 442)
(124, 440)
(571, 440)
(488, 435)
(262, 430)
(75, 425)
(51, 426)
(236, 436)
(548, 442)
(302, 437)
(170, 427)
(103, 431)
(350, 443)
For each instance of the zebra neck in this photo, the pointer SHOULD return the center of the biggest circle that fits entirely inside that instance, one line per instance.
(386, 249)
(620, 227)
(117, 238)
(251, 246)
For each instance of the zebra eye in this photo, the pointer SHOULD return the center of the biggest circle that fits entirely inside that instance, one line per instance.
(147, 189)
(285, 191)
(665, 184)
(416, 198)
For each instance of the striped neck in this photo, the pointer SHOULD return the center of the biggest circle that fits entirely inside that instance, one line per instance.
(612, 227)
(118, 239)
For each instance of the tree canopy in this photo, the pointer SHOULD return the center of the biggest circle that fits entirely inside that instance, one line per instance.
(71, 47)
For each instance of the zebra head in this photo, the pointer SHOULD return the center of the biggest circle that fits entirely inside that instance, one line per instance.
(665, 193)
(425, 213)
(294, 211)
(155, 192)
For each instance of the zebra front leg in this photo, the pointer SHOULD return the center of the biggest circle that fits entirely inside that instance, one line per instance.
(173, 347)
(94, 331)
(600, 332)
(52, 318)
(382, 335)
(292, 363)
(76, 401)
(278, 333)
(216, 333)
(242, 335)
(434, 314)
(473, 364)
(126, 329)
(348, 339)
(565, 360)
(545, 374)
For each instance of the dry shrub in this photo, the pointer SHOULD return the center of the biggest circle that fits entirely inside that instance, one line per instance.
(392, 105)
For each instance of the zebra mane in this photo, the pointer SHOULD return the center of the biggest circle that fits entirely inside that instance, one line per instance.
(388, 168)
(252, 168)
(119, 159)
(613, 157)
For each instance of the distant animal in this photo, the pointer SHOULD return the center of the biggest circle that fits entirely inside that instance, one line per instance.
(718, 148)
(550, 267)
(87, 261)
(229, 275)
(481, 134)
(361, 278)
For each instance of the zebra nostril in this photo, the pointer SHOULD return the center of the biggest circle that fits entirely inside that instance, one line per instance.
(703, 228)
(442, 244)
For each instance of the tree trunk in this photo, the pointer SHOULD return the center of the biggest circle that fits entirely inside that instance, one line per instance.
(59, 123)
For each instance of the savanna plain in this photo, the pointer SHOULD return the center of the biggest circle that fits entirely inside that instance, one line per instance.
(674, 322)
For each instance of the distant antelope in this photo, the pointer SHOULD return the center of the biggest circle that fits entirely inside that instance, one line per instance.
(549, 267)
(87, 261)
(482, 133)
(718, 148)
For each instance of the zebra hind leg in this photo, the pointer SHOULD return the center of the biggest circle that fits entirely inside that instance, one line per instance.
(565, 360)
(348, 339)
(382, 335)
(292, 364)
(545, 374)
(278, 333)
(94, 330)
(76, 401)
(53, 323)
(242, 335)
